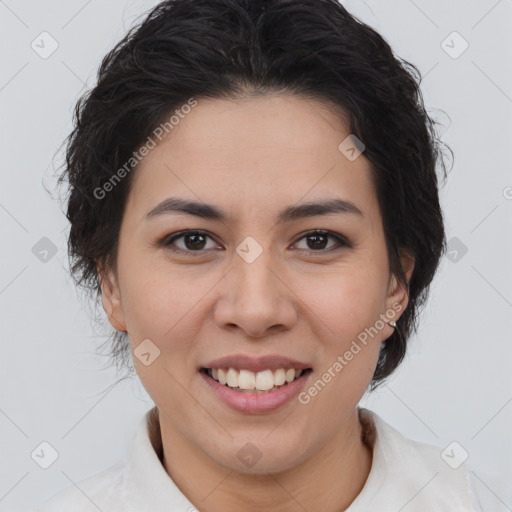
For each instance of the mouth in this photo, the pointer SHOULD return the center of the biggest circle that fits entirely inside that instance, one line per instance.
(249, 382)
(255, 385)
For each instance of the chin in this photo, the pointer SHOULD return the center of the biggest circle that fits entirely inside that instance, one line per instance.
(260, 456)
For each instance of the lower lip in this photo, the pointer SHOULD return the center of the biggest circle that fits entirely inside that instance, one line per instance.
(253, 403)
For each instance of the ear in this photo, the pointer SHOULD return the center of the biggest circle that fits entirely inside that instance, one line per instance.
(398, 294)
(111, 298)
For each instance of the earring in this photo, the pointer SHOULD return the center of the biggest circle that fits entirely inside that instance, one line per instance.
(392, 323)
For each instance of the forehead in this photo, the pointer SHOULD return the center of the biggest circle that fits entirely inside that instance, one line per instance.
(253, 154)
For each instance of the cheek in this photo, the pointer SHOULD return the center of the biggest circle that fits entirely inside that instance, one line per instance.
(345, 302)
(160, 307)
(157, 297)
(167, 308)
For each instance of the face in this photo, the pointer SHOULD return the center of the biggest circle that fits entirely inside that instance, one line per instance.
(264, 290)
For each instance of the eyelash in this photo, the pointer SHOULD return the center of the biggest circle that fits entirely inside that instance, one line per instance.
(342, 242)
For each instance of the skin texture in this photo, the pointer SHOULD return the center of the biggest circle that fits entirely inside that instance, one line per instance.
(252, 157)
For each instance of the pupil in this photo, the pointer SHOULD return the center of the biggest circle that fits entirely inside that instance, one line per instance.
(194, 244)
(316, 237)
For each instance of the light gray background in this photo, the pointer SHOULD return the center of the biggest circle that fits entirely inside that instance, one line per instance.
(456, 383)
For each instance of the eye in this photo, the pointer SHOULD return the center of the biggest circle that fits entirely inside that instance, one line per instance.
(316, 240)
(194, 241)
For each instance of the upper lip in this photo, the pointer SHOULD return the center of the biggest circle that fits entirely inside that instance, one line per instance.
(256, 364)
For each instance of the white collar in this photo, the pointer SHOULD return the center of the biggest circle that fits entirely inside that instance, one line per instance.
(406, 475)
(146, 484)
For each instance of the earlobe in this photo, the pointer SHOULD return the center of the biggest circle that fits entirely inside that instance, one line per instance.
(111, 299)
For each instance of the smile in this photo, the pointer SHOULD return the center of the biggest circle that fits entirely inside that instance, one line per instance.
(280, 386)
(246, 381)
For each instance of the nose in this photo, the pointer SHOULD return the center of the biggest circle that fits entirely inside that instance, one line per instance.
(257, 298)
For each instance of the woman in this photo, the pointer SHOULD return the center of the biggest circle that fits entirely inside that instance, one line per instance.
(253, 195)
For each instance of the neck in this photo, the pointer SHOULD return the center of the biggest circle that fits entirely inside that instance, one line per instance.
(329, 480)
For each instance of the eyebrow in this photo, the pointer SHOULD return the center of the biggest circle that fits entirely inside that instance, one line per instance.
(290, 213)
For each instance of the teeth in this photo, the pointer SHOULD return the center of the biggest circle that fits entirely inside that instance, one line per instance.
(279, 377)
(222, 376)
(264, 380)
(290, 375)
(232, 378)
(247, 380)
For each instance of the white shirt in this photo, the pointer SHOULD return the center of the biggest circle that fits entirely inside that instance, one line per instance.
(406, 476)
